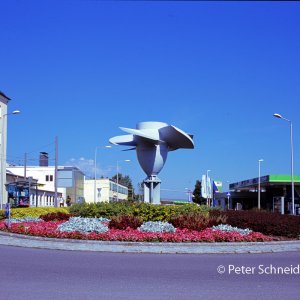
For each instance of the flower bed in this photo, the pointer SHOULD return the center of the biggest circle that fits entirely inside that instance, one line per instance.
(50, 229)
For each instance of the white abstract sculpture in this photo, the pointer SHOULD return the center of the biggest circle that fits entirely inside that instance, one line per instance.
(152, 142)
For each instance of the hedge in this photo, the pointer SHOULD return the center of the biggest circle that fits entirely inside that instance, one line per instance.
(147, 212)
(34, 212)
(267, 223)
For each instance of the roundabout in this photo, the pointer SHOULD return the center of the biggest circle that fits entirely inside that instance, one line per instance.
(17, 240)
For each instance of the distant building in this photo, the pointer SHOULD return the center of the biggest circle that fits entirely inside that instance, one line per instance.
(106, 191)
(70, 180)
(24, 193)
(275, 194)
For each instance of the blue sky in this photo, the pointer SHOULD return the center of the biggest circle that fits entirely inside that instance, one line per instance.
(219, 70)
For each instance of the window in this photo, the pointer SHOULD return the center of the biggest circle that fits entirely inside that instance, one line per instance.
(49, 177)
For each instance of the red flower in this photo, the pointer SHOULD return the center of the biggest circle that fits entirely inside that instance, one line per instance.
(49, 229)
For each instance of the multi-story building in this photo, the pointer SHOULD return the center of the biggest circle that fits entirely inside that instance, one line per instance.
(3, 135)
(70, 180)
(106, 191)
(24, 193)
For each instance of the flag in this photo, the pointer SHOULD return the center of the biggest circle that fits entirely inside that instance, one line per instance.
(215, 188)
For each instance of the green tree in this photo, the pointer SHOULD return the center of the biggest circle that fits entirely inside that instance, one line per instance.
(197, 194)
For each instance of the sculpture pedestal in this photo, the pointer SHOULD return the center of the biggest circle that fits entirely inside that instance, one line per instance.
(152, 190)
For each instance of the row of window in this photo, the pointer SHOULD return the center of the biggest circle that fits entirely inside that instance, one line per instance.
(114, 187)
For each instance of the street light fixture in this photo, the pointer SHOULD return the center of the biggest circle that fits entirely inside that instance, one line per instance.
(3, 167)
(228, 195)
(95, 169)
(125, 160)
(258, 200)
(292, 158)
(190, 194)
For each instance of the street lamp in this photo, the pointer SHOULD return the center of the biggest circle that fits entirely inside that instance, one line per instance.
(228, 195)
(258, 200)
(207, 187)
(95, 169)
(3, 167)
(190, 194)
(292, 158)
(125, 160)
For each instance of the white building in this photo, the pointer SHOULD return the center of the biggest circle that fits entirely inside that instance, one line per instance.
(23, 192)
(106, 191)
(70, 181)
(3, 136)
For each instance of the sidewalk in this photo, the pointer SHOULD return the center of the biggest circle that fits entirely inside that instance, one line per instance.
(11, 239)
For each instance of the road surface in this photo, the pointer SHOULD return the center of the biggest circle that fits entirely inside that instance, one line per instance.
(28, 273)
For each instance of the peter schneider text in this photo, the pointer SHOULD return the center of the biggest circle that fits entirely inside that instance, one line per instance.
(259, 270)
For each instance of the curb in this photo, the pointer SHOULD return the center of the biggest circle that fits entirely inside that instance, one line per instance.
(18, 240)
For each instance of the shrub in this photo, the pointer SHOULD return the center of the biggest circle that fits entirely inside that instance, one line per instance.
(265, 222)
(157, 227)
(56, 216)
(197, 221)
(34, 212)
(125, 221)
(2, 214)
(83, 225)
(146, 211)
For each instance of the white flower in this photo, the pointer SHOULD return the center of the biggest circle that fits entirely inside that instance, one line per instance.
(84, 225)
(229, 228)
(157, 227)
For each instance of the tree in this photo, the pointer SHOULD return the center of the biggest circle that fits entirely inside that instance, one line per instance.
(197, 193)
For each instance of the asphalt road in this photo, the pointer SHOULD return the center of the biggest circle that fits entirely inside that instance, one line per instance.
(27, 273)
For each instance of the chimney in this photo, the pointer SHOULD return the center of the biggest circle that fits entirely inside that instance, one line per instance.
(44, 159)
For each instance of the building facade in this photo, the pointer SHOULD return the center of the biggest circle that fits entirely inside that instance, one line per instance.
(106, 191)
(70, 183)
(3, 139)
(275, 194)
(24, 193)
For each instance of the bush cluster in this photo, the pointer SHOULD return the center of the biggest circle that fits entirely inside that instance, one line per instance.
(56, 216)
(147, 212)
(265, 222)
(197, 221)
(34, 212)
(124, 221)
(2, 214)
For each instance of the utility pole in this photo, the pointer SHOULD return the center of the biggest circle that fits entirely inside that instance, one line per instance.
(258, 192)
(25, 165)
(55, 171)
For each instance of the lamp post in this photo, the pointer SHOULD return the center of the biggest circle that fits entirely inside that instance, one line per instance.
(3, 167)
(189, 193)
(228, 194)
(292, 158)
(258, 200)
(126, 160)
(207, 188)
(95, 170)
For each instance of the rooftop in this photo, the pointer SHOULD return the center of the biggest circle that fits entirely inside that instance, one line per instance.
(265, 181)
(3, 95)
